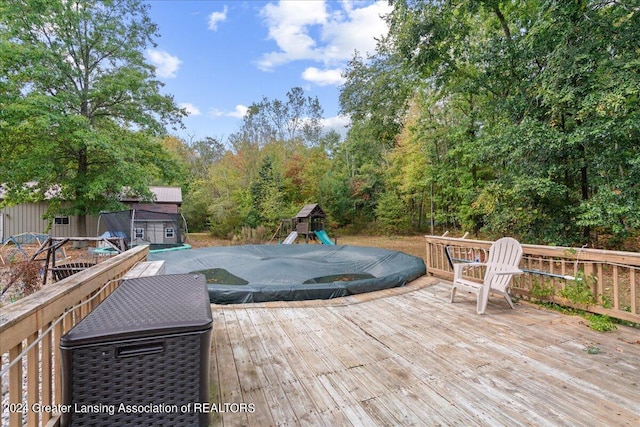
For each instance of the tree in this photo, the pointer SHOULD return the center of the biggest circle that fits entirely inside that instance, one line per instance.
(376, 93)
(376, 97)
(539, 103)
(266, 192)
(589, 91)
(81, 108)
(275, 162)
(401, 206)
(204, 153)
(352, 186)
(296, 120)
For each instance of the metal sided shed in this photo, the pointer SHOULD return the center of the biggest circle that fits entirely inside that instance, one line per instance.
(146, 227)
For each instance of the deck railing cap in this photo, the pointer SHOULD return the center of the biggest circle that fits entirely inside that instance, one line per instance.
(15, 312)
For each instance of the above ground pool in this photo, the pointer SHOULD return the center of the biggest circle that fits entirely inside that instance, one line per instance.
(259, 273)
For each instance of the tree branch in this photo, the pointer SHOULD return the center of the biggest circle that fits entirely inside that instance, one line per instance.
(503, 22)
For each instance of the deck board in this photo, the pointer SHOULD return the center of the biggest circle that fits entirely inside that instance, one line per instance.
(408, 357)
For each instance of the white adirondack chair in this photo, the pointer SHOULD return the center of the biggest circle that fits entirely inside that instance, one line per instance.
(502, 265)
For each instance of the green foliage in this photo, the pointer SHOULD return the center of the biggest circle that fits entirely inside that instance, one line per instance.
(597, 322)
(276, 163)
(295, 120)
(376, 95)
(195, 206)
(228, 215)
(605, 300)
(518, 118)
(266, 192)
(82, 109)
(542, 290)
(579, 291)
(337, 199)
(391, 213)
(592, 349)
(528, 113)
(601, 323)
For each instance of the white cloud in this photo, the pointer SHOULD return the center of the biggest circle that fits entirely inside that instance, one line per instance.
(338, 123)
(323, 77)
(215, 113)
(216, 17)
(357, 32)
(311, 30)
(239, 112)
(166, 64)
(192, 110)
(289, 23)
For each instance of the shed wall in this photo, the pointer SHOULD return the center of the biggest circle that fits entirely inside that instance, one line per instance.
(28, 218)
(155, 207)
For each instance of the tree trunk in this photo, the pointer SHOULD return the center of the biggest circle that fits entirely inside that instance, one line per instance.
(80, 195)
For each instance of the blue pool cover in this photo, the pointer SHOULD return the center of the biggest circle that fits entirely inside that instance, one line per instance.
(259, 273)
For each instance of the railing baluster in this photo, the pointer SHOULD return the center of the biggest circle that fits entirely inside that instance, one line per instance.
(634, 286)
(15, 388)
(600, 282)
(616, 287)
(47, 368)
(33, 379)
(57, 380)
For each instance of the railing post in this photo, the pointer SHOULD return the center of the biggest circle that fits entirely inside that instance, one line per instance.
(428, 246)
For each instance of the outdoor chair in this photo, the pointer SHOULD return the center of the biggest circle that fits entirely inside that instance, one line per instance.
(500, 267)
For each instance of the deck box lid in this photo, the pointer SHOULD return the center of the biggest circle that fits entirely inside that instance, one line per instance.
(146, 307)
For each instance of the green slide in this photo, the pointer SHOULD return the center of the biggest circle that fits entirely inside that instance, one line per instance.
(323, 237)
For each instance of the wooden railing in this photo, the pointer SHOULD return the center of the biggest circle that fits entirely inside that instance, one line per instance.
(598, 281)
(30, 330)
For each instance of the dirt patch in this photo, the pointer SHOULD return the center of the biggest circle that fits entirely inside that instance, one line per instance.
(412, 245)
(204, 240)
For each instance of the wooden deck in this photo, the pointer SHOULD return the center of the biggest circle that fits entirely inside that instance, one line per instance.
(407, 356)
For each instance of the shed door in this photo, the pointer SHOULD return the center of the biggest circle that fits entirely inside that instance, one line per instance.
(1, 227)
(156, 232)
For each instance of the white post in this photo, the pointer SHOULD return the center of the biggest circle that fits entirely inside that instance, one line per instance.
(133, 229)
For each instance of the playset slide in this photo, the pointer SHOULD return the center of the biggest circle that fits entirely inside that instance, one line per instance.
(323, 237)
(290, 238)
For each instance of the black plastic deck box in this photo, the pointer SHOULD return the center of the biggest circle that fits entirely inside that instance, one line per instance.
(141, 357)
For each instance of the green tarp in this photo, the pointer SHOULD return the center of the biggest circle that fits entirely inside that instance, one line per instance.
(259, 273)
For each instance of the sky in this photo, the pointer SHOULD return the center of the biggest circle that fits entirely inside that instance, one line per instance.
(218, 57)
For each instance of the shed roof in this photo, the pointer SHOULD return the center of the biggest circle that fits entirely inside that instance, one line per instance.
(311, 210)
(167, 194)
(161, 195)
